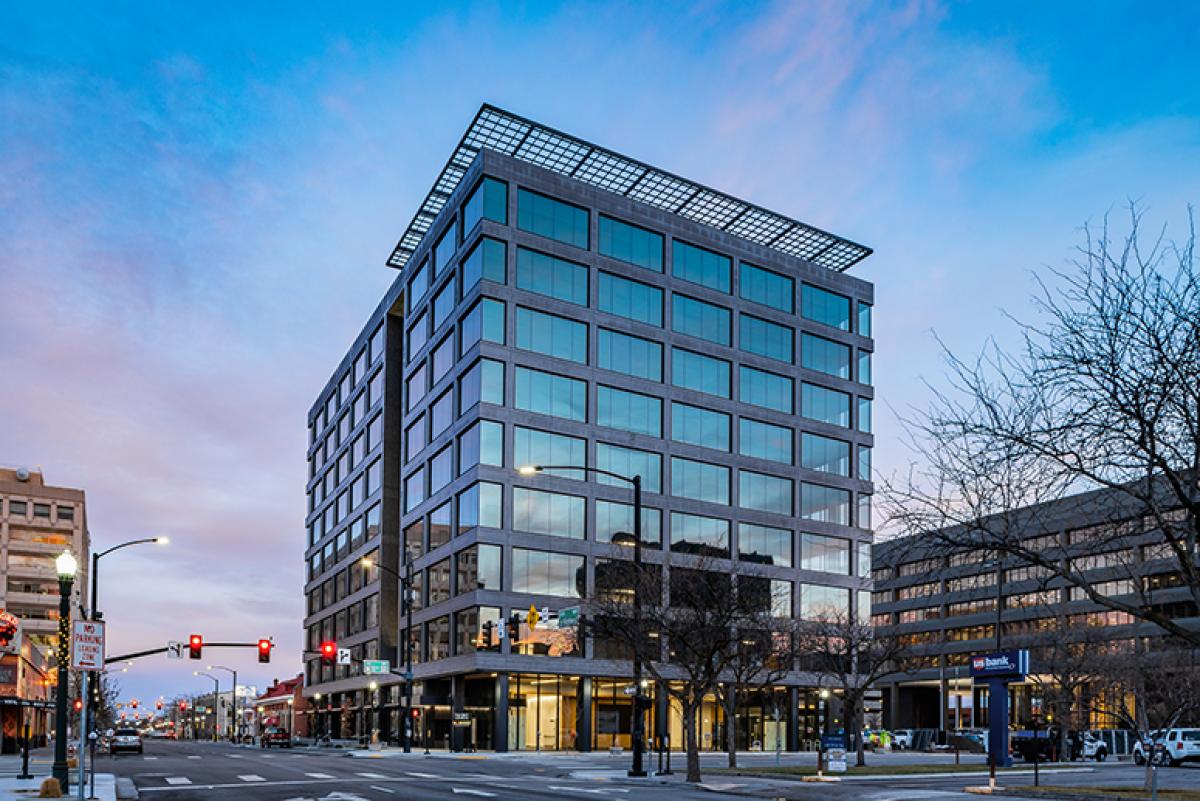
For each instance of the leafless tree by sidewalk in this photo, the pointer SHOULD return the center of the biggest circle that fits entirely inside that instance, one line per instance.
(1103, 394)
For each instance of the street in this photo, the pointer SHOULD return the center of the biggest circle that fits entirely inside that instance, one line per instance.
(185, 771)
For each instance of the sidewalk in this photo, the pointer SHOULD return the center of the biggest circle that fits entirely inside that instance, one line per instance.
(40, 761)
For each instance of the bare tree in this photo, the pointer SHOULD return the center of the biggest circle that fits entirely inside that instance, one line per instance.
(690, 644)
(1146, 686)
(1103, 394)
(851, 655)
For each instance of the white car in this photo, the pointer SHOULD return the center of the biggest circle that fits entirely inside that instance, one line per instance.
(902, 739)
(1172, 747)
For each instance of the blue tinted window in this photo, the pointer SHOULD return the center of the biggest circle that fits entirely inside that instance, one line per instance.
(629, 462)
(631, 299)
(766, 287)
(486, 260)
(765, 389)
(488, 201)
(628, 243)
(864, 367)
(697, 426)
(864, 462)
(443, 251)
(825, 554)
(634, 356)
(824, 504)
(699, 481)
(552, 513)
(483, 381)
(552, 218)
(864, 415)
(480, 505)
(443, 303)
(825, 404)
(825, 356)
(551, 335)
(628, 411)
(700, 266)
(418, 285)
(485, 320)
(825, 454)
(546, 275)
(482, 443)
(764, 545)
(704, 536)
(764, 493)
(545, 573)
(765, 441)
(825, 307)
(701, 373)
(533, 447)
(546, 393)
(614, 523)
(418, 335)
(765, 338)
(864, 319)
(699, 319)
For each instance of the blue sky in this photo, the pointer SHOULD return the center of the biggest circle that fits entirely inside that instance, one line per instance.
(196, 202)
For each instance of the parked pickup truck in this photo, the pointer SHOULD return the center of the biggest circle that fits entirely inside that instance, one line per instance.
(1044, 745)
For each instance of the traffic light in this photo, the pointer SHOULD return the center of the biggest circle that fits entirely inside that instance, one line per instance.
(195, 644)
(135, 703)
(329, 652)
(183, 706)
(416, 713)
(158, 706)
(264, 650)
(78, 704)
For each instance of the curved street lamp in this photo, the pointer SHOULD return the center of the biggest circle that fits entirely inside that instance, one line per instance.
(66, 566)
(639, 721)
(236, 720)
(216, 698)
(95, 576)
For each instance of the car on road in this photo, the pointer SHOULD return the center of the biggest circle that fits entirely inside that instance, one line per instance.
(902, 739)
(1043, 745)
(125, 740)
(275, 735)
(1171, 747)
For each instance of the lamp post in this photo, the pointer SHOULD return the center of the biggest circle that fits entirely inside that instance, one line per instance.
(407, 607)
(95, 576)
(821, 726)
(237, 721)
(216, 699)
(66, 567)
(639, 722)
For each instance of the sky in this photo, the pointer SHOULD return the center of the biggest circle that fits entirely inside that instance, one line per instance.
(197, 201)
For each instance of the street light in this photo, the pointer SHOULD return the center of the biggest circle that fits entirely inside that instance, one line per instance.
(407, 607)
(639, 721)
(95, 577)
(66, 566)
(236, 720)
(216, 699)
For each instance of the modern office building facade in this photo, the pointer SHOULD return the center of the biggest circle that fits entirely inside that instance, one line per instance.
(560, 304)
(949, 601)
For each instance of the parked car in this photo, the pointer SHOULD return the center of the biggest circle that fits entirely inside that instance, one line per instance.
(125, 740)
(1045, 745)
(902, 739)
(1171, 747)
(274, 735)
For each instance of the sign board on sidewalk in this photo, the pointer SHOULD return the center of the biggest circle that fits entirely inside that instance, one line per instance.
(461, 719)
(568, 618)
(834, 746)
(372, 667)
(343, 656)
(174, 649)
(87, 645)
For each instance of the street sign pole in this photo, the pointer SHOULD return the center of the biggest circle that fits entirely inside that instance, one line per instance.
(83, 733)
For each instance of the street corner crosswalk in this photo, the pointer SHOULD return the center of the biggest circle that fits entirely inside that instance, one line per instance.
(251, 777)
(177, 780)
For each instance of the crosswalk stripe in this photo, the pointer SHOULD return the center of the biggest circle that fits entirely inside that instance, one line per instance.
(250, 777)
(178, 780)
(422, 775)
(193, 757)
(372, 775)
(149, 758)
(318, 775)
(382, 789)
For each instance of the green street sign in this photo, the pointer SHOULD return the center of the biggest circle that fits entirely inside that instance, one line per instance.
(373, 667)
(568, 618)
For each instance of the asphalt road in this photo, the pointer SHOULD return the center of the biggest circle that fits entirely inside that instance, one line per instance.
(185, 771)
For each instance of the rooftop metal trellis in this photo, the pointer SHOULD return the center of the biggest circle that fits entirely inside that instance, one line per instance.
(498, 130)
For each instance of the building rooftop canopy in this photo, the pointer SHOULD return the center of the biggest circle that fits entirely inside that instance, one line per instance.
(526, 140)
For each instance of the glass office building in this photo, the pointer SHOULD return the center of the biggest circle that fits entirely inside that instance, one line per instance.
(560, 304)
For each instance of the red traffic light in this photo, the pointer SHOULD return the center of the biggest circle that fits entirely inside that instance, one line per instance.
(264, 650)
(183, 706)
(416, 713)
(135, 703)
(158, 705)
(329, 651)
(78, 704)
(195, 644)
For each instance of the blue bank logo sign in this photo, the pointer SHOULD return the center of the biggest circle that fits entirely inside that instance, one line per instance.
(1005, 663)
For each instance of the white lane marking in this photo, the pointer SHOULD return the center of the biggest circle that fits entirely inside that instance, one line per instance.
(421, 775)
(382, 789)
(235, 756)
(149, 758)
(372, 775)
(193, 757)
(251, 777)
(465, 791)
(178, 780)
(318, 775)
(597, 791)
